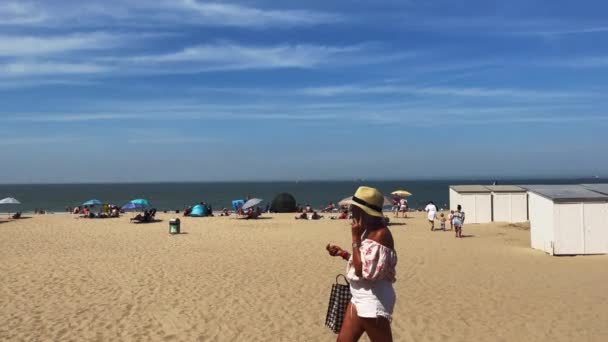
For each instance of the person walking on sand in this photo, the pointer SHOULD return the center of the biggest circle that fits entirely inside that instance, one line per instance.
(370, 270)
(431, 213)
(458, 221)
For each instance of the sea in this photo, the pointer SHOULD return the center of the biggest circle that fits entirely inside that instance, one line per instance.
(56, 198)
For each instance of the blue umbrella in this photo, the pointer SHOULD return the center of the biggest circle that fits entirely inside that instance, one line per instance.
(141, 201)
(132, 206)
(92, 202)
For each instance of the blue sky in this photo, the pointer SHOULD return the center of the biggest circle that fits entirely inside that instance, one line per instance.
(174, 90)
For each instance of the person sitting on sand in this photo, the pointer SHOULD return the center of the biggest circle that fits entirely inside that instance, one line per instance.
(458, 221)
(302, 216)
(249, 213)
(343, 216)
(330, 207)
(225, 212)
(370, 270)
(188, 211)
(316, 216)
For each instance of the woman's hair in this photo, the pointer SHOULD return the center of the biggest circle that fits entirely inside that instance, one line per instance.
(459, 207)
(371, 221)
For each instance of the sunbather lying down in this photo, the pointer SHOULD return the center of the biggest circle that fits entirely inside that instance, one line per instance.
(147, 217)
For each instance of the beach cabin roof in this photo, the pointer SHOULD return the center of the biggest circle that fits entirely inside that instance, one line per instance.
(505, 188)
(470, 188)
(567, 193)
(601, 188)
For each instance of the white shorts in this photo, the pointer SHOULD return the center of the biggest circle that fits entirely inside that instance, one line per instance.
(374, 299)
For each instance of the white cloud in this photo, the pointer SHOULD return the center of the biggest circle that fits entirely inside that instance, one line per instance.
(225, 14)
(30, 69)
(22, 45)
(234, 56)
(21, 13)
(583, 62)
(432, 113)
(36, 140)
(439, 91)
(134, 13)
(42, 82)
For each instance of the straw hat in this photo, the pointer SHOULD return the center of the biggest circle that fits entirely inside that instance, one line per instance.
(369, 200)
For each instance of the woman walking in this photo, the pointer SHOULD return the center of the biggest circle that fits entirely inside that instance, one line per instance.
(431, 213)
(370, 270)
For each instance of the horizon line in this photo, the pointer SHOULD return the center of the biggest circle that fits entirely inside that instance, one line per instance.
(358, 180)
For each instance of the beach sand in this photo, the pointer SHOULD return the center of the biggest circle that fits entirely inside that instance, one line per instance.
(67, 279)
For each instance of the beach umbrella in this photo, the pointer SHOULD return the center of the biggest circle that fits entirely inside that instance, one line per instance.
(252, 203)
(133, 206)
(401, 193)
(141, 201)
(92, 202)
(9, 200)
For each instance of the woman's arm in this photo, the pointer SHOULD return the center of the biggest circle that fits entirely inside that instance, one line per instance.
(357, 228)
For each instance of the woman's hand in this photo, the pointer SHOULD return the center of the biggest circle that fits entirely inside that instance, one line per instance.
(357, 227)
(334, 250)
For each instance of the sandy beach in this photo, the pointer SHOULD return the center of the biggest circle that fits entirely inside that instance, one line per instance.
(67, 279)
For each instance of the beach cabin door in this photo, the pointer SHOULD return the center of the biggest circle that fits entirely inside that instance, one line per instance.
(569, 235)
(502, 207)
(595, 216)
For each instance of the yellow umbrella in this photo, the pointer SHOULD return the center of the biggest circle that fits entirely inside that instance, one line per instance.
(401, 193)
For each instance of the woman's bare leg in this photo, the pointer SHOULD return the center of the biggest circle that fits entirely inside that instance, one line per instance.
(378, 329)
(352, 328)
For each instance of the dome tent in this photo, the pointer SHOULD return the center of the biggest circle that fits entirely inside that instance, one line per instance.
(199, 211)
(283, 203)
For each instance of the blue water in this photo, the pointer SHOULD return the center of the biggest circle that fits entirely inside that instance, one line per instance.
(170, 196)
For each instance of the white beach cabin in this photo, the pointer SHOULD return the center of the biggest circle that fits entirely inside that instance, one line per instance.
(568, 219)
(509, 203)
(476, 202)
(602, 188)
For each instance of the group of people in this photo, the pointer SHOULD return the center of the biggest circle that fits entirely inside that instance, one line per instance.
(400, 205)
(455, 218)
(107, 211)
(305, 216)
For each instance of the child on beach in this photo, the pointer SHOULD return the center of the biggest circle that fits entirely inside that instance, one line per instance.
(442, 220)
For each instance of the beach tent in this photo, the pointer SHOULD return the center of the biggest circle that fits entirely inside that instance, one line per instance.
(283, 203)
(568, 219)
(199, 211)
(238, 204)
(509, 203)
(476, 202)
